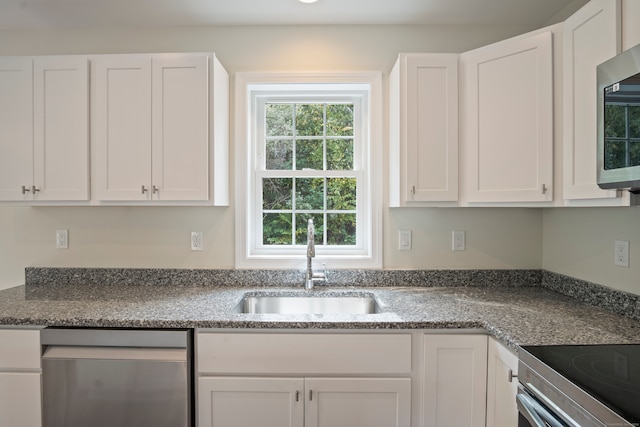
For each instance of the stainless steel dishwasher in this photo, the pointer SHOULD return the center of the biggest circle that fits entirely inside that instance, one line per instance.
(113, 377)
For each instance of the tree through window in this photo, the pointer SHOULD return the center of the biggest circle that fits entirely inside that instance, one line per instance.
(309, 172)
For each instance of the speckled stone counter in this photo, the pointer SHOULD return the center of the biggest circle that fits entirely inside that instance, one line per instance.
(516, 314)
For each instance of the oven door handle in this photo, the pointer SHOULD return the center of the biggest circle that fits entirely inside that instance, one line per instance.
(534, 412)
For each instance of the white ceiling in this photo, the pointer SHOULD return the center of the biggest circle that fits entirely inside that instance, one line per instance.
(41, 14)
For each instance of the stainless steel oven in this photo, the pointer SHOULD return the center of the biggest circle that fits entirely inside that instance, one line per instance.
(108, 377)
(579, 386)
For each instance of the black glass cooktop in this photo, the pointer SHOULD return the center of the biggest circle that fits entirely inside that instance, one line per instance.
(609, 373)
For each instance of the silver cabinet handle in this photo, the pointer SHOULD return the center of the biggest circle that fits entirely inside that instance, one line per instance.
(155, 189)
(34, 189)
(143, 189)
(25, 190)
(310, 395)
(512, 375)
(297, 395)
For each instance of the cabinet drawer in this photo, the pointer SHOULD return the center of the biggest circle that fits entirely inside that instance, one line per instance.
(303, 354)
(19, 349)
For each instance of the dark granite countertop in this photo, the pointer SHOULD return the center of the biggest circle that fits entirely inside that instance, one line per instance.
(519, 315)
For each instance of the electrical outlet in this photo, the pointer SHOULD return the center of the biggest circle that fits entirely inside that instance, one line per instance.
(197, 243)
(62, 239)
(404, 240)
(621, 253)
(457, 240)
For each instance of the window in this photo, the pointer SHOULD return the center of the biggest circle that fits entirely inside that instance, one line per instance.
(307, 150)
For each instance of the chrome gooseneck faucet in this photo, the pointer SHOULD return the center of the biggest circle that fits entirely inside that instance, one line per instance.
(311, 277)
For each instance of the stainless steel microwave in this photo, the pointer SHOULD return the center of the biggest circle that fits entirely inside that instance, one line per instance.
(619, 122)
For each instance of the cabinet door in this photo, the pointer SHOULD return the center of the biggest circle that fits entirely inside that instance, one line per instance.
(509, 121)
(424, 129)
(242, 402)
(455, 378)
(591, 36)
(121, 155)
(348, 402)
(20, 399)
(61, 128)
(502, 386)
(180, 147)
(16, 128)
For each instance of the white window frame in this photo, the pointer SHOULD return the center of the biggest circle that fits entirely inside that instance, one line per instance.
(251, 87)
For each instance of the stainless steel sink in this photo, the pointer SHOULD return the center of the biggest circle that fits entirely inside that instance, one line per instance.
(263, 304)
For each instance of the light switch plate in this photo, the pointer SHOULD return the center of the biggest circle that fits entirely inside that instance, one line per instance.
(404, 240)
(62, 239)
(457, 240)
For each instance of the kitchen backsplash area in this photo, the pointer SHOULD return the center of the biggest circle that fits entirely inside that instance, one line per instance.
(44, 282)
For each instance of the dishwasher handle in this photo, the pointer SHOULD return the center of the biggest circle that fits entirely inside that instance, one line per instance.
(155, 338)
(115, 353)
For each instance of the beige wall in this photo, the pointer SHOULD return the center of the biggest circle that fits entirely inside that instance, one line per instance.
(159, 237)
(579, 242)
(576, 242)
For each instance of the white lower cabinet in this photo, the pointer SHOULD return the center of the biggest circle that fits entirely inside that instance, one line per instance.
(246, 401)
(455, 378)
(303, 379)
(20, 399)
(502, 386)
(20, 378)
(342, 379)
(347, 402)
(309, 402)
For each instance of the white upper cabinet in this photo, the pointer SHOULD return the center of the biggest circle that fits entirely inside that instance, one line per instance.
(160, 129)
(61, 129)
(591, 36)
(121, 127)
(44, 140)
(180, 133)
(508, 121)
(16, 128)
(424, 129)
